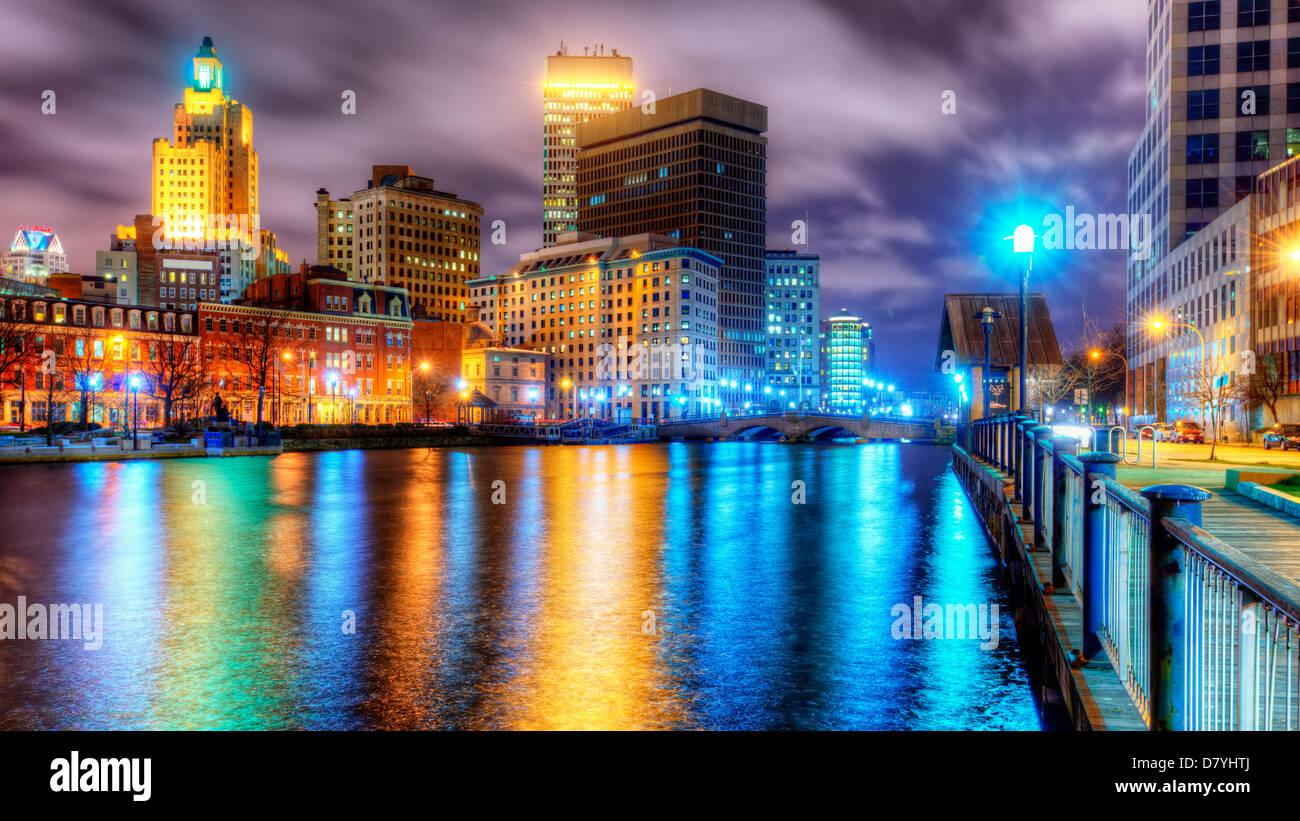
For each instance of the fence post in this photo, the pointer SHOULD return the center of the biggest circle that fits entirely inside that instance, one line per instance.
(1248, 687)
(1168, 664)
(1061, 445)
(1091, 580)
(1020, 449)
(1038, 436)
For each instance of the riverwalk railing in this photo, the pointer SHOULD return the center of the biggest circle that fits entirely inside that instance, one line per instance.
(1202, 636)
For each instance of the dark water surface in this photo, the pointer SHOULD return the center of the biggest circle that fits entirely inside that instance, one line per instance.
(644, 586)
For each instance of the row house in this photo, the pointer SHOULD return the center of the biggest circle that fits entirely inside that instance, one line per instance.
(92, 357)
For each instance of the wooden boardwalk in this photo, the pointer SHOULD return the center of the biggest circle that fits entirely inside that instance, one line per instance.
(1268, 536)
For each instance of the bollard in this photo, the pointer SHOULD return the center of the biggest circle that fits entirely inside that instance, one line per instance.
(1038, 436)
(1167, 664)
(1092, 579)
(1061, 445)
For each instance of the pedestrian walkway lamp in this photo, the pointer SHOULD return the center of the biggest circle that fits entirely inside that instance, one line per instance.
(1022, 245)
(135, 415)
(986, 318)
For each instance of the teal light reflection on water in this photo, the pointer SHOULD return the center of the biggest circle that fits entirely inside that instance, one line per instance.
(655, 586)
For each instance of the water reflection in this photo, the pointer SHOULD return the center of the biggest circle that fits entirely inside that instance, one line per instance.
(656, 586)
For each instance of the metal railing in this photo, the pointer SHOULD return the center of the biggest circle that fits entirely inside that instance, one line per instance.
(1202, 636)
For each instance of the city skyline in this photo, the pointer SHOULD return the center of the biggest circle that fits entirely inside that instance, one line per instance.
(889, 234)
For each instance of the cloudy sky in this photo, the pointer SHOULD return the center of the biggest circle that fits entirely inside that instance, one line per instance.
(903, 201)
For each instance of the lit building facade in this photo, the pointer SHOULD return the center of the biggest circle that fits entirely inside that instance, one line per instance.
(341, 350)
(118, 265)
(513, 378)
(793, 311)
(575, 90)
(846, 359)
(334, 233)
(99, 349)
(1274, 308)
(33, 255)
(696, 170)
(1222, 107)
(630, 324)
(208, 170)
(408, 234)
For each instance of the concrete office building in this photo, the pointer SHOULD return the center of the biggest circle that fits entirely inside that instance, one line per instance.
(405, 233)
(630, 324)
(694, 170)
(1222, 107)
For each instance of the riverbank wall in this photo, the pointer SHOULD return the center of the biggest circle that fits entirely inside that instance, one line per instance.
(1048, 619)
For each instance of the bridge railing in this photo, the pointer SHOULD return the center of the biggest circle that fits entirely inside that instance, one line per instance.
(1202, 636)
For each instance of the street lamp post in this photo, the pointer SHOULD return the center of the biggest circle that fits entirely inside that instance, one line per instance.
(1096, 355)
(135, 414)
(1160, 324)
(986, 318)
(1022, 242)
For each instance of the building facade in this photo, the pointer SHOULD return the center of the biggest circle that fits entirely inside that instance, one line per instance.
(846, 361)
(34, 254)
(119, 265)
(339, 352)
(513, 378)
(575, 90)
(407, 234)
(334, 233)
(793, 310)
(630, 324)
(695, 170)
(105, 359)
(208, 169)
(1223, 108)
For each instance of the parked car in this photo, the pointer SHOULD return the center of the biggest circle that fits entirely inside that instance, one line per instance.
(1162, 431)
(1283, 435)
(1187, 432)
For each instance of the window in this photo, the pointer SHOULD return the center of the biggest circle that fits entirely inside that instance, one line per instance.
(1203, 193)
(1292, 142)
(1252, 101)
(1293, 11)
(1202, 148)
(1203, 105)
(1251, 145)
(1202, 60)
(1293, 98)
(1251, 56)
(1203, 16)
(1252, 13)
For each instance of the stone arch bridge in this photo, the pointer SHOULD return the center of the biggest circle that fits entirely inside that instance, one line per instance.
(801, 427)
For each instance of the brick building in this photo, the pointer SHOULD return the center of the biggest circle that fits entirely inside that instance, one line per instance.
(320, 349)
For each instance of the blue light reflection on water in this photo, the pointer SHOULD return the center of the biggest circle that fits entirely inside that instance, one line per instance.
(674, 585)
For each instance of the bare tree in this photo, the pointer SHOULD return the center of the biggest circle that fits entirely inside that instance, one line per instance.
(255, 353)
(1265, 386)
(17, 353)
(87, 377)
(1099, 364)
(1212, 388)
(428, 389)
(1049, 384)
(171, 365)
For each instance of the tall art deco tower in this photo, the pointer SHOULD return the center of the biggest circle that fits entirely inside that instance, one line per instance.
(209, 167)
(576, 89)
